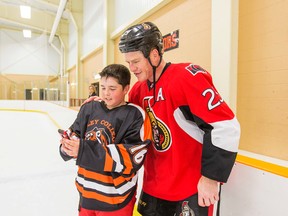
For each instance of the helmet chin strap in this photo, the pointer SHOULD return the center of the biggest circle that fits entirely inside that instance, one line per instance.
(154, 68)
(154, 96)
(154, 77)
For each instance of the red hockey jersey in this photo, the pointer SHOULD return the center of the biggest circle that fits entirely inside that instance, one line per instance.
(194, 132)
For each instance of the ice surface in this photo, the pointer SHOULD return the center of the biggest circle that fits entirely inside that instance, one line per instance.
(34, 180)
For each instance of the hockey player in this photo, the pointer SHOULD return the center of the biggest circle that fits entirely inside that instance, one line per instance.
(113, 137)
(195, 133)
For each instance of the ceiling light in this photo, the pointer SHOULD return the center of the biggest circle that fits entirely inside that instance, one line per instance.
(27, 33)
(25, 11)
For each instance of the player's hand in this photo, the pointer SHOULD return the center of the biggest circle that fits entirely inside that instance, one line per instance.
(92, 98)
(208, 191)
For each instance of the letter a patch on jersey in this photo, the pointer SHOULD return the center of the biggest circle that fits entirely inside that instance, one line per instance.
(194, 69)
(160, 95)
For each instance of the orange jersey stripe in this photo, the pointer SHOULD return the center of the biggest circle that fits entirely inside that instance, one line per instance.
(95, 176)
(126, 158)
(103, 178)
(101, 197)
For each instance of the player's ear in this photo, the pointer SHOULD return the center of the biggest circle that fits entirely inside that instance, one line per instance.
(155, 53)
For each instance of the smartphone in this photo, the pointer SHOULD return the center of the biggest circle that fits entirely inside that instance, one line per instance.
(63, 133)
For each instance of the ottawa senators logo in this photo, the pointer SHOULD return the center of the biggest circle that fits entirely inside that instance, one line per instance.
(161, 134)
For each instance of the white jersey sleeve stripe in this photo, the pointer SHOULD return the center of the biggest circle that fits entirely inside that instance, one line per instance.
(189, 127)
(225, 134)
(116, 157)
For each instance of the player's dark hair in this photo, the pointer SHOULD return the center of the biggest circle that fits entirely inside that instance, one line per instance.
(117, 71)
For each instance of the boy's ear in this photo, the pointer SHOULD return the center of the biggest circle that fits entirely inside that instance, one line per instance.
(126, 89)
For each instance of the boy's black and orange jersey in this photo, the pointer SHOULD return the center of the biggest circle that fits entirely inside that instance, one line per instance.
(113, 145)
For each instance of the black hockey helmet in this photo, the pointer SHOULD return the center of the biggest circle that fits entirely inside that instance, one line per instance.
(141, 37)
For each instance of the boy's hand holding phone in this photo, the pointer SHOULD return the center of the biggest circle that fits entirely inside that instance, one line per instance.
(64, 133)
(70, 143)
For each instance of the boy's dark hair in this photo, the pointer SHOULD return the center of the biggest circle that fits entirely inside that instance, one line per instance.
(117, 71)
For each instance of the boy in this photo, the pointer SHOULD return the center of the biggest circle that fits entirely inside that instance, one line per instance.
(110, 148)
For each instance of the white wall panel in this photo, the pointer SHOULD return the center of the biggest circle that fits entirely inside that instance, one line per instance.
(33, 56)
(72, 49)
(122, 12)
(127, 10)
(93, 25)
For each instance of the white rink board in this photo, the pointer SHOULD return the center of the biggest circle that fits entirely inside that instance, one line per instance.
(253, 192)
